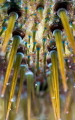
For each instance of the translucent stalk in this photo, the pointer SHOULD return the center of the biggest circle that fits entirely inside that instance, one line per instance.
(22, 77)
(43, 46)
(14, 81)
(12, 19)
(44, 61)
(68, 102)
(2, 108)
(65, 22)
(73, 27)
(37, 88)
(56, 83)
(40, 11)
(2, 31)
(32, 1)
(34, 45)
(44, 41)
(29, 76)
(12, 114)
(34, 42)
(28, 60)
(29, 37)
(26, 47)
(63, 44)
(2, 1)
(26, 10)
(74, 78)
(16, 41)
(51, 91)
(38, 50)
(59, 45)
